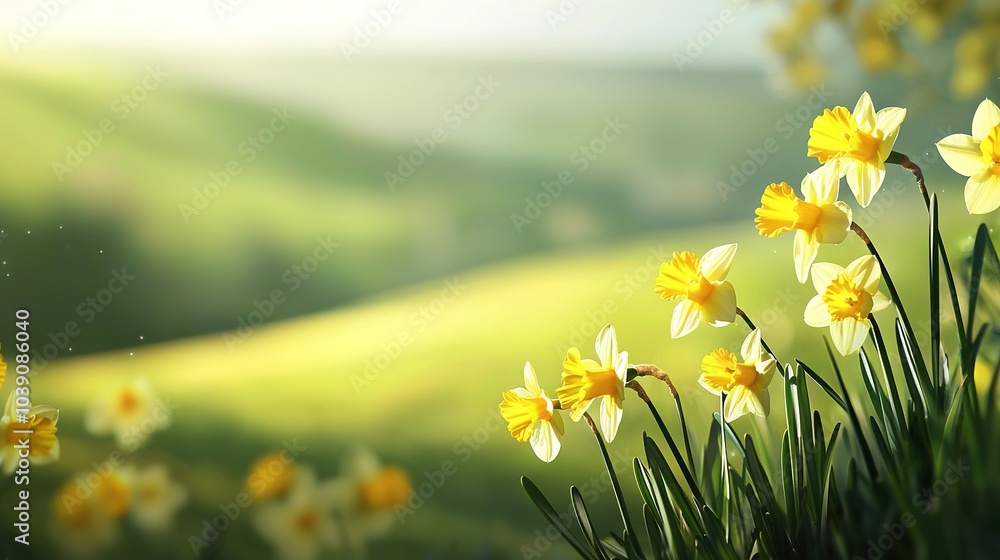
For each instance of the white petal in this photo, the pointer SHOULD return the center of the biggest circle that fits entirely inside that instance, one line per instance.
(864, 113)
(865, 179)
(961, 152)
(719, 309)
(545, 441)
(835, 223)
(887, 121)
(817, 314)
(686, 317)
(849, 334)
(804, 251)
(823, 274)
(621, 365)
(982, 193)
(880, 301)
(822, 185)
(987, 116)
(738, 403)
(716, 262)
(531, 381)
(606, 345)
(752, 347)
(866, 272)
(611, 417)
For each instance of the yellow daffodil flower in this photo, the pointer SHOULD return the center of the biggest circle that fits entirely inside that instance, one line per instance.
(270, 476)
(132, 413)
(370, 497)
(302, 525)
(845, 299)
(856, 143)
(586, 380)
(530, 417)
(3, 371)
(818, 217)
(707, 296)
(43, 445)
(744, 382)
(978, 158)
(82, 528)
(156, 499)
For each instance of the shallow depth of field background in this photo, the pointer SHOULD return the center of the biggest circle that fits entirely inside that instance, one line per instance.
(438, 285)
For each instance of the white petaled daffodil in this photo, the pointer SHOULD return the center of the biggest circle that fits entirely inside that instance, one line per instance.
(42, 443)
(701, 283)
(156, 499)
(131, 412)
(846, 297)
(857, 143)
(302, 525)
(978, 158)
(743, 382)
(531, 418)
(370, 497)
(586, 380)
(817, 218)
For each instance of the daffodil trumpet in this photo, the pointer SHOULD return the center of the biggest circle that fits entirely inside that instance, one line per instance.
(752, 327)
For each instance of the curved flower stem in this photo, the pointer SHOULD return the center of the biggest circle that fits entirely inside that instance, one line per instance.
(904, 161)
(763, 343)
(891, 287)
(629, 529)
(651, 370)
(724, 462)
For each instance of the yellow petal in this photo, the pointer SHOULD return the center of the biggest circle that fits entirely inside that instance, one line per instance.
(982, 193)
(865, 272)
(865, 179)
(817, 314)
(834, 223)
(864, 113)
(823, 274)
(849, 334)
(829, 133)
(961, 152)
(531, 381)
(686, 317)
(776, 214)
(887, 122)
(716, 262)
(716, 371)
(611, 417)
(676, 274)
(719, 309)
(987, 116)
(804, 251)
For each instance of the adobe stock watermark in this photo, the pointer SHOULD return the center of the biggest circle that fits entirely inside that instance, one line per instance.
(590, 491)
(87, 311)
(292, 278)
(32, 24)
(248, 150)
(229, 512)
(419, 322)
(454, 117)
(901, 13)
(562, 12)
(463, 450)
(639, 279)
(923, 501)
(121, 109)
(366, 33)
(224, 8)
(757, 156)
(697, 44)
(581, 158)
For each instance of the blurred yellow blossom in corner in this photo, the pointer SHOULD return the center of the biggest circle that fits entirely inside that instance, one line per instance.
(132, 412)
(370, 497)
(301, 525)
(156, 499)
(270, 476)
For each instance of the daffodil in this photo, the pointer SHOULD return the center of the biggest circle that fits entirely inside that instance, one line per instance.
(818, 217)
(81, 527)
(114, 491)
(978, 158)
(701, 283)
(3, 371)
(34, 440)
(156, 499)
(370, 497)
(530, 417)
(131, 412)
(857, 143)
(270, 476)
(744, 382)
(302, 525)
(586, 380)
(845, 299)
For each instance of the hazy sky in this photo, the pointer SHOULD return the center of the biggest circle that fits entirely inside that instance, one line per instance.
(653, 29)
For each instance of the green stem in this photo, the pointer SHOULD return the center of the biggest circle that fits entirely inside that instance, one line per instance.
(629, 530)
(763, 343)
